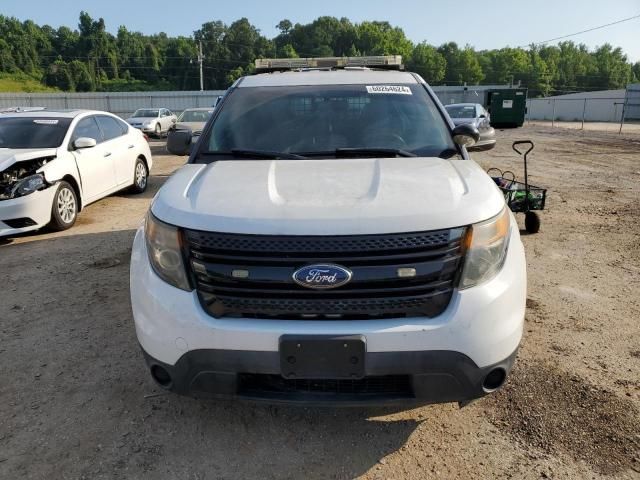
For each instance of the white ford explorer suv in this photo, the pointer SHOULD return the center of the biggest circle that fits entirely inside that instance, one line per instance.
(329, 241)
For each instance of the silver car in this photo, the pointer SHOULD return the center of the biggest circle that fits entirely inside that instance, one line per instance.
(156, 121)
(194, 119)
(476, 115)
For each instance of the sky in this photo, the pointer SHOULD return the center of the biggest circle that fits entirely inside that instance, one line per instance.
(484, 24)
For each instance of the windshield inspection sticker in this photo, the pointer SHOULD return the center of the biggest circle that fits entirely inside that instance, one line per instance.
(46, 122)
(390, 89)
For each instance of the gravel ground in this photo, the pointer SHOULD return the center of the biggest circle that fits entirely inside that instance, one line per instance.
(77, 402)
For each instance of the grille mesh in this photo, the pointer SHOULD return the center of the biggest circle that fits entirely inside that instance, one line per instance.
(321, 308)
(377, 386)
(311, 244)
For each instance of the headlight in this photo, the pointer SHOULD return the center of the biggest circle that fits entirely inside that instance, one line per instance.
(165, 254)
(28, 185)
(147, 124)
(486, 247)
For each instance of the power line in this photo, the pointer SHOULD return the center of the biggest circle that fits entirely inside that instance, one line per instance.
(583, 31)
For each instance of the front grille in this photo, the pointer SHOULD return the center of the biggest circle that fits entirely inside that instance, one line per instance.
(256, 385)
(375, 290)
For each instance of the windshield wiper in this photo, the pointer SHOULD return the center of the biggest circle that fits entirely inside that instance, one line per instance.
(373, 151)
(236, 152)
(338, 153)
(255, 154)
(448, 153)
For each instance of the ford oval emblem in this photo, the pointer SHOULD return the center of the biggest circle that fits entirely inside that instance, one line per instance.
(322, 277)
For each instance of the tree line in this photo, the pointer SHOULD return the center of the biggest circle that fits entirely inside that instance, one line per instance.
(90, 58)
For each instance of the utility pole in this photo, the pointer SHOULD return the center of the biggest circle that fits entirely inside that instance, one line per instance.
(200, 61)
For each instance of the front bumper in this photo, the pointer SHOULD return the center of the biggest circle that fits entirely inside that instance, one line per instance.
(144, 129)
(447, 356)
(393, 378)
(35, 206)
(487, 139)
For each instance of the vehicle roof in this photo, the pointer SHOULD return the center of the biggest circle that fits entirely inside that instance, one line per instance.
(52, 113)
(348, 76)
(462, 105)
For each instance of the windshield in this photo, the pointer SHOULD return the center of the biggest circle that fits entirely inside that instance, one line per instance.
(195, 116)
(145, 113)
(32, 132)
(313, 119)
(461, 111)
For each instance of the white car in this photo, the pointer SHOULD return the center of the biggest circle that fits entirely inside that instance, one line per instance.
(53, 164)
(154, 121)
(194, 119)
(330, 241)
(476, 115)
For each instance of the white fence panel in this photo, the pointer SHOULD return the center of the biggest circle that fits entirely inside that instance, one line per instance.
(120, 103)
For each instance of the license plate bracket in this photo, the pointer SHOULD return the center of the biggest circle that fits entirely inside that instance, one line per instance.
(320, 356)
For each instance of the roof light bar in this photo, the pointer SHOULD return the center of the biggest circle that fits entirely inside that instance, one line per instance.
(388, 62)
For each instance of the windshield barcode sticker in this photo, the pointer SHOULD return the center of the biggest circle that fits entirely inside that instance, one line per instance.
(389, 89)
(46, 122)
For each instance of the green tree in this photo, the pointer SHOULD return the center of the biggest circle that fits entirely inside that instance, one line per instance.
(539, 80)
(636, 71)
(285, 27)
(463, 65)
(506, 65)
(180, 67)
(7, 64)
(81, 77)
(91, 58)
(98, 46)
(59, 75)
(216, 54)
(612, 67)
(380, 38)
(428, 62)
(287, 51)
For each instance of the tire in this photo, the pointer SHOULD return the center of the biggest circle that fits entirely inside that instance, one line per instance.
(64, 210)
(158, 130)
(532, 222)
(140, 177)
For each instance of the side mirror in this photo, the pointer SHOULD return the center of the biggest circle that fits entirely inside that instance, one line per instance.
(173, 120)
(466, 135)
(84, 142)
(179, 142)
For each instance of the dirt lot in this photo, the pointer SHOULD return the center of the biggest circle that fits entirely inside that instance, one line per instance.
(77, 402)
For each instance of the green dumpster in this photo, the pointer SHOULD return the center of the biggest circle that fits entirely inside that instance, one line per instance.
(507, 106)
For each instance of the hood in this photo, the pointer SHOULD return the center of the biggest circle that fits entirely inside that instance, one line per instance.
(9, 156)
(328, 197)
(193, 126)
(141, 119)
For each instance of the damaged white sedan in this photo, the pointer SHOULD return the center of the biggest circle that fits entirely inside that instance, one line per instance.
(54, 163)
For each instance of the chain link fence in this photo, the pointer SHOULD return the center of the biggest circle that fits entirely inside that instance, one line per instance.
(614, 111)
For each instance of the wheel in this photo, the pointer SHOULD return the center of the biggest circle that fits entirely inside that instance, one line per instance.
(532, 222)
(64, 210)
(140, 177)
(158, 130)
